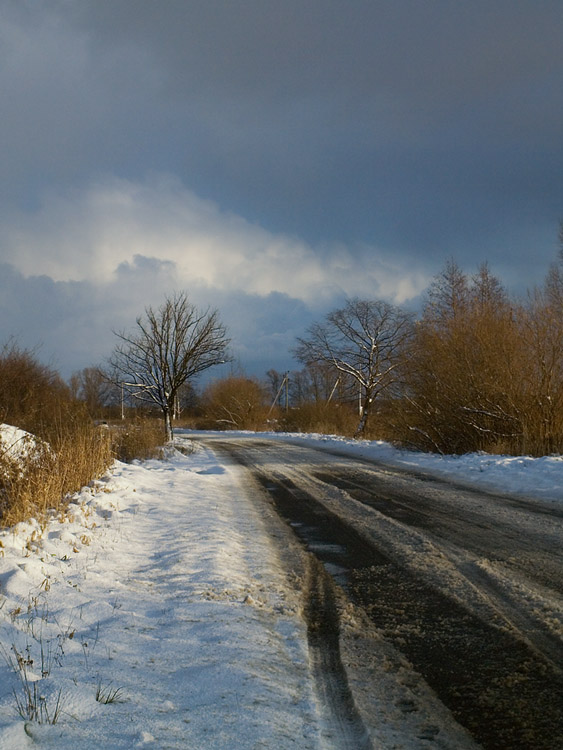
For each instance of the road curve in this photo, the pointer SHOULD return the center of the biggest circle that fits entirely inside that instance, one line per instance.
(467, 585)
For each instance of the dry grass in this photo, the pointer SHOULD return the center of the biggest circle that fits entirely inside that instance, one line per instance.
(30, 487)
(108, 694)
(326, 418)
(68, 450)
(141, 438)
(76, 454)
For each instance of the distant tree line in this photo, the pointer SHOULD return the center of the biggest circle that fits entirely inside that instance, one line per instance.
(476, 370)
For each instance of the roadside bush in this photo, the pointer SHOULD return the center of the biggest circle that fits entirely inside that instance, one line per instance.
(485, 373)
(65, 450)
(463, 378)
(235, 403)
(32, 396)
(69, 450)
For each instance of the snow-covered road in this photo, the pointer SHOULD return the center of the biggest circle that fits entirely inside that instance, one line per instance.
(466, 584)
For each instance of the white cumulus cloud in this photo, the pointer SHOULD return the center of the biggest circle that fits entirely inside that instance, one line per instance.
(95, 232)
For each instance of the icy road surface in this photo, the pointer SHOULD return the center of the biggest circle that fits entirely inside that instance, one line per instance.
(166, 609)
(468, 585)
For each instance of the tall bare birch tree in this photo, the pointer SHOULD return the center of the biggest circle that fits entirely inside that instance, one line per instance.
(365, 340)
(168, 347)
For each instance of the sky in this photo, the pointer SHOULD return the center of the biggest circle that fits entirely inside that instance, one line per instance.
(269, 157)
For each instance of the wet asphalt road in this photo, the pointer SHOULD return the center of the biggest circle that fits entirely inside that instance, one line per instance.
(467, 585)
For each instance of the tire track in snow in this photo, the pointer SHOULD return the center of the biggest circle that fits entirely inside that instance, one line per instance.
(343, 728)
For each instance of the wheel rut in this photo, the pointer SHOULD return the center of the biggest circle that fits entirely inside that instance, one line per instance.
(342, 724)
(470, 530)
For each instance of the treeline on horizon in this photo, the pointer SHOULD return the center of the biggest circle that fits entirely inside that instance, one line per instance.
(476, 370)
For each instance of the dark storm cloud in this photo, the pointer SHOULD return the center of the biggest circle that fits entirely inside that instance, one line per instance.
(351, 120)
(359, 143)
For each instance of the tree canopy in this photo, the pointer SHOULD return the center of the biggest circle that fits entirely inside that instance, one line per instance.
(168, 347)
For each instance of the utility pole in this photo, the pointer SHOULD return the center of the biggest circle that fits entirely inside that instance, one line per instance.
(334, 387)
(284, 383)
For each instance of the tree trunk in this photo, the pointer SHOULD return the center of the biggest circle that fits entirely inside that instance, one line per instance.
(364, 416)
(167, 425)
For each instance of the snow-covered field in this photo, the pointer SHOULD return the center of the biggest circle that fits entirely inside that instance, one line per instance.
(156, 613)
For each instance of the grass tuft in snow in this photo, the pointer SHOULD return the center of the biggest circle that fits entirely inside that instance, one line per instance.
(33, 702)
(33, 706)
(108, 694)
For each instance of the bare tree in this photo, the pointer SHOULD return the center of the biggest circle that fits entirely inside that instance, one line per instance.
(320, 382)
(365, 340)
(168, 347)
(91, 386)
(448, 296)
